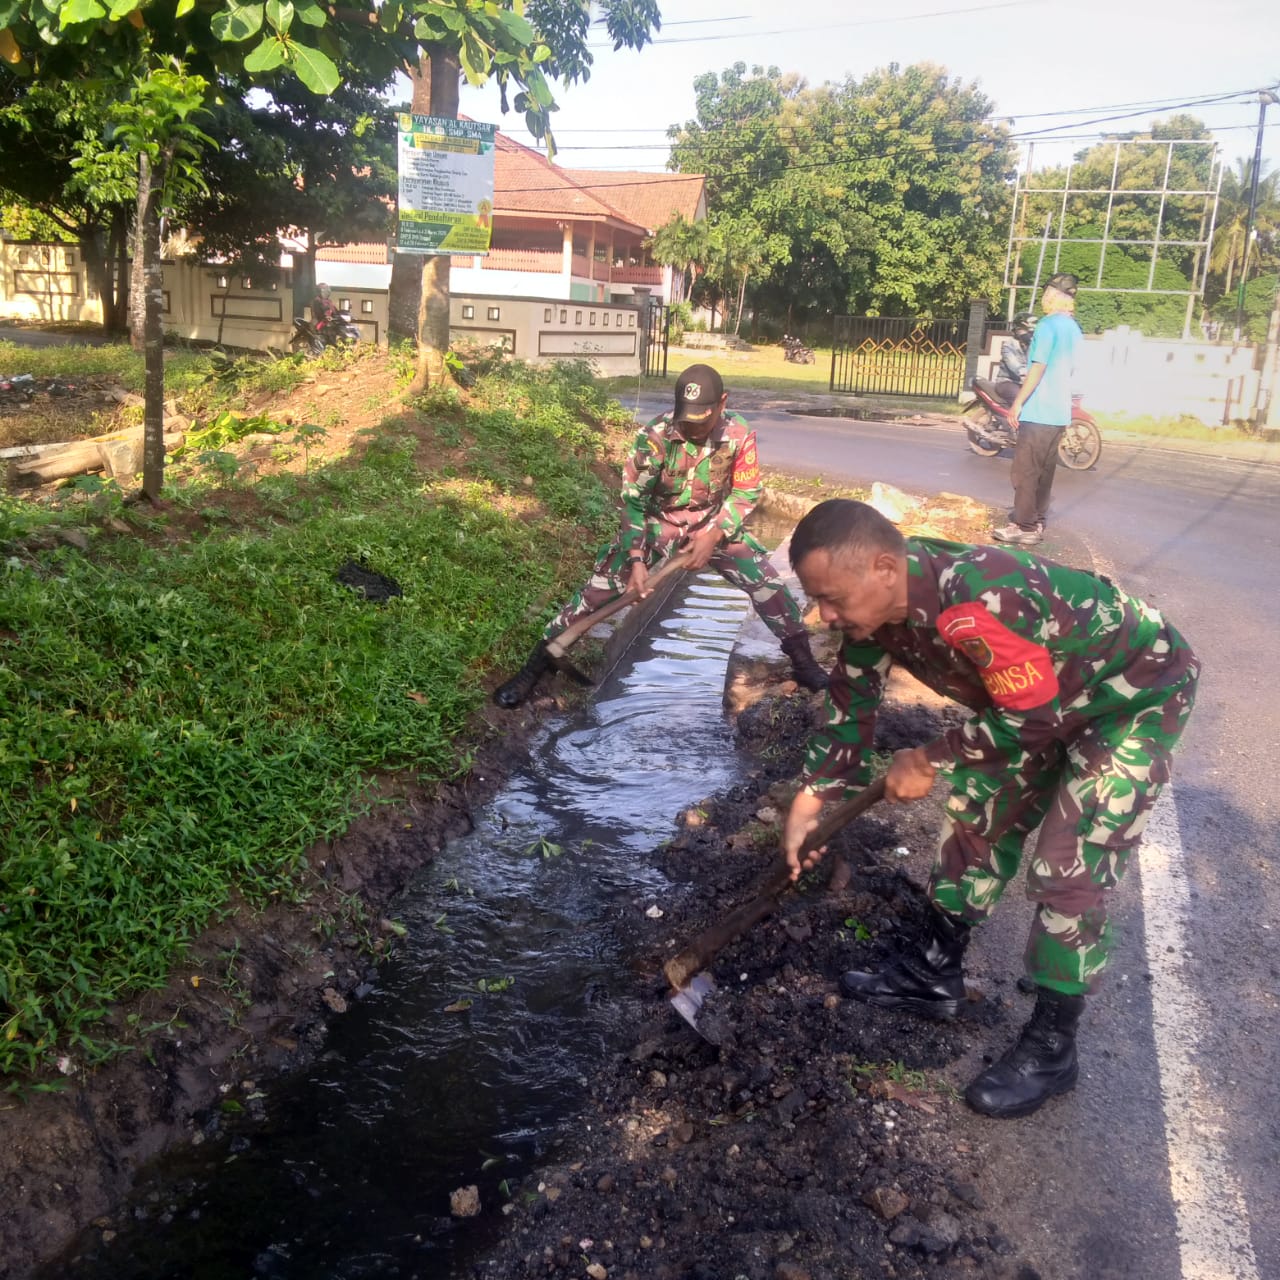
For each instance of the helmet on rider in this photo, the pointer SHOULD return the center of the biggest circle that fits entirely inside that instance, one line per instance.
(322, 289)
(1023, 326)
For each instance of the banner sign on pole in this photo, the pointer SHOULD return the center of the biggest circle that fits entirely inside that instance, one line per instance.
(446, 185)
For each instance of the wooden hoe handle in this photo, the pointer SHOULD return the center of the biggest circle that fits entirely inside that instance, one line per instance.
(570, 635)
(707, 945)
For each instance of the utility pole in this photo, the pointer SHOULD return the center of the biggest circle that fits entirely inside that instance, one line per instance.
(1271, 368)
(1265, 99)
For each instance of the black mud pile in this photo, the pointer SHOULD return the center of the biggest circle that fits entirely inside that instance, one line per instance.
(816, 1138)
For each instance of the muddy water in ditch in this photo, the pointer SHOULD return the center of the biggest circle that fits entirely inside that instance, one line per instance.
(348, 1171)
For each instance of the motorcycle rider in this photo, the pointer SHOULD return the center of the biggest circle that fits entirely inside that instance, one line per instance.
(324, 310)
(1013, 359)
(794, 350)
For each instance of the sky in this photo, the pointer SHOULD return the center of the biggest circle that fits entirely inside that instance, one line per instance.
(1054, 67)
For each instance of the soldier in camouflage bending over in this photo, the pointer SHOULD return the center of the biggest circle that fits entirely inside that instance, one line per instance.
(691, 480)
(1079, 692)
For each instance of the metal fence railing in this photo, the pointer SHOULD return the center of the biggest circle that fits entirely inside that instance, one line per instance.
(657, 334)
(898, 355)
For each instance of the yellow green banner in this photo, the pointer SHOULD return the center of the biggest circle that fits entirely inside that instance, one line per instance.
(446, 185)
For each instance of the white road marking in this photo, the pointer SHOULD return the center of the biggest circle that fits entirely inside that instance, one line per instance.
(1213, 1220)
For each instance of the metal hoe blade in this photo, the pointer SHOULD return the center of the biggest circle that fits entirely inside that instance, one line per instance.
(688, 1000)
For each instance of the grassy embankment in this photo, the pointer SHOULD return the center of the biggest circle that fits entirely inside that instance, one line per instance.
(189, 705)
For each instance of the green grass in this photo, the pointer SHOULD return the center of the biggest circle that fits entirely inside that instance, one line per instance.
(762, 369)
(114, 359)
(185, 717)
(71, 360)
(210, 379)
(1184, 428)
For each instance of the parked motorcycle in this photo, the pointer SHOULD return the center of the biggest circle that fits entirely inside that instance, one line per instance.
(988, 428)
(306, 337)
(795, 350)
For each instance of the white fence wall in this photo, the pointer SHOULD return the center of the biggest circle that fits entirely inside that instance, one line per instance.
(1123, 371)
(543, 329)
(46, 282)
(49, 283)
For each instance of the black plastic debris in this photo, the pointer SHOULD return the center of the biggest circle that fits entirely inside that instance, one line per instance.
(368, 583)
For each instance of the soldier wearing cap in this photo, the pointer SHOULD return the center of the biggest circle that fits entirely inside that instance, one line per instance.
(690, 481)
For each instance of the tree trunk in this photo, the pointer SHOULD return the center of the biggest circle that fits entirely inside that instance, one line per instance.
(137, 274)
(403, 296)
(120, 252)
(742, 297)
(306, 277)
(97, 275)
(1231, 263)
(437, 83)
(149, 299)
(222, 311)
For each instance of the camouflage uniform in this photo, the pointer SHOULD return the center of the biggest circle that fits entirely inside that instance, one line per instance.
(1081, 692)
(672, 488)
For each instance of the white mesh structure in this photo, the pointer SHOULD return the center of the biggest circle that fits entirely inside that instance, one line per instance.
(1132, 218)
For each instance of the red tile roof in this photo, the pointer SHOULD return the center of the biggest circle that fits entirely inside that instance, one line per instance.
(650, 199)
(525, 181)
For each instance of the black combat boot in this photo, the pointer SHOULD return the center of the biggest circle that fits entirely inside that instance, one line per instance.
(1042, 1063)
(520, 686)
(804, 666)
(927, 980)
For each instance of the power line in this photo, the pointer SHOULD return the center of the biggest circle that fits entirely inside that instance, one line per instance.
(837, 26)
(1044, 134)
(661, 174)
(1147, 108)
(1153, 104)
(848, 157)
(683, 22)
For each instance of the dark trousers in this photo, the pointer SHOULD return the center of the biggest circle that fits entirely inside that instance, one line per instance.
(1035, 459)
(1006, 391)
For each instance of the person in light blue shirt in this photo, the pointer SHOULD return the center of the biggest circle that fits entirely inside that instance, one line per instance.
(1041, 409)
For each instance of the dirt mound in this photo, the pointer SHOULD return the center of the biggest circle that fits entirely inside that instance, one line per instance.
(815, 1138)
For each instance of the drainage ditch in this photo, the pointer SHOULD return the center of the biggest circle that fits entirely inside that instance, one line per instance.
(474, 1044)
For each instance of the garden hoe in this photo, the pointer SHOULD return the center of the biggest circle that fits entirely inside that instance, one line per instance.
(689, 984)
(557, 649)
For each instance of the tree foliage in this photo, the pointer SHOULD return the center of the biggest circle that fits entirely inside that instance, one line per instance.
(505, 41)
(240, 43)
(321, 170)
(67, 178)
(883, 194)
(680, 244)
(1227, 259)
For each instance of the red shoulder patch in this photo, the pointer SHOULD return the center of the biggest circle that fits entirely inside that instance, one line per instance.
(1017, 673)
(746, 467)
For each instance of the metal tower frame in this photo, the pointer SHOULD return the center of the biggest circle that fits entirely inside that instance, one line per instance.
(1053, 232)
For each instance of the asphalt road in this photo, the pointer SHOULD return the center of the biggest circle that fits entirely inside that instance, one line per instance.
(1162, 1165)
(25, 337)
